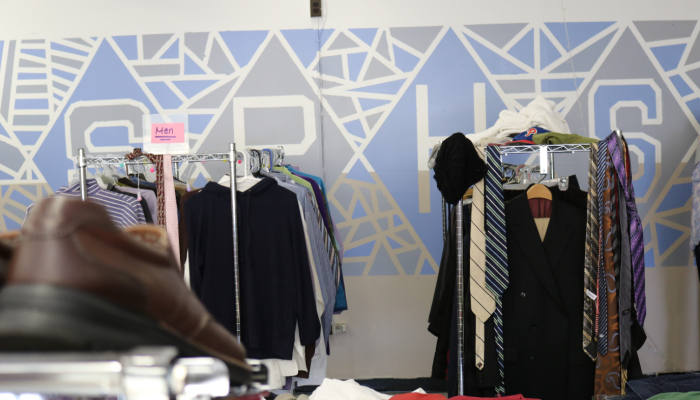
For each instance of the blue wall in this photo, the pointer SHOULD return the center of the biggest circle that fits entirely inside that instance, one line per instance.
(363, 136)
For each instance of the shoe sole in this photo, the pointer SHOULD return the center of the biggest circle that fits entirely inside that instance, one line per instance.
(44, 318)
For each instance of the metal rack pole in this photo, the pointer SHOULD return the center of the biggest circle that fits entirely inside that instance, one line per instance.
(82, 174)
(444, 221)
(460, 300)
(177, 170)
(232, 159)
(551, 165)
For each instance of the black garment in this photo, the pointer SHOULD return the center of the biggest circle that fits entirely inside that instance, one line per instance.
(439, 319)
(144, 204)
(444, 284)
(443, 323)
(542, 306)
(477, 383)
(697, 258)
(276, 289)
(457, 167)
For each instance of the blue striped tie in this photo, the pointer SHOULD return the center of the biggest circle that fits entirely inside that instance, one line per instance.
(602, 282)
(496, 248)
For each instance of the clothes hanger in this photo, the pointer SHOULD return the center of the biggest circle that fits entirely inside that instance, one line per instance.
(244, 178)
(265, 160)
(109, 180)
(100, 182)
(468, 194)
(539, 191)
(189, 175)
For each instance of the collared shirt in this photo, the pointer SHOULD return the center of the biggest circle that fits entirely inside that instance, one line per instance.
(324, 270)
(122, 209)
(150, 198)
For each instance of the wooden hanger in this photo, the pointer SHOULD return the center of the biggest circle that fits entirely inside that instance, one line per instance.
(539, 191)
(468, 194)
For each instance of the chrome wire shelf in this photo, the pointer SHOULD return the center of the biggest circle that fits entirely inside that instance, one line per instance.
(107, 160)
(551, 148)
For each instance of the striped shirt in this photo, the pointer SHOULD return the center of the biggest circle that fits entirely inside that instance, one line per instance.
(124, 210)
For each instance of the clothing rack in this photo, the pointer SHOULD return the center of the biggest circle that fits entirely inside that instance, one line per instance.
(143, 373)
(550, 150)
(278, 154)
(232, 156)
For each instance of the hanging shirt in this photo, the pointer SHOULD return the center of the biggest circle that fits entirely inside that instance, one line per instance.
(149, 196)
(324, 272)
(341, 303)
(322, 188)
(276, 290)
(279, 370)
(144, 204)
(122, 209)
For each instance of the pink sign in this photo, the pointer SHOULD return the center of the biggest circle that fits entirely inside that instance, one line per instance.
(168, 133)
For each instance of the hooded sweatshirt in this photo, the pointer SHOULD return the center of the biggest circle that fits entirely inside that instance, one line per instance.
(276, 290)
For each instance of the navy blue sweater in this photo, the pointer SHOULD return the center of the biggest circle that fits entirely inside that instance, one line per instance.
(276, 290)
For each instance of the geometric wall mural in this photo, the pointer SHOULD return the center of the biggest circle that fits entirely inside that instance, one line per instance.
(364, 114)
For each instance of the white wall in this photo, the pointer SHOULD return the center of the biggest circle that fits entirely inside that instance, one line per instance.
(28, 19)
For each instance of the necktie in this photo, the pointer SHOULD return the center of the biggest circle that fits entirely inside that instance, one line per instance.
(170, 205)
(602, 284)
(590, 273)
(636, 233)
(482, 301)
(157, 160)
(624, 290)
(496, 250)
(608, 371)
(695, 214)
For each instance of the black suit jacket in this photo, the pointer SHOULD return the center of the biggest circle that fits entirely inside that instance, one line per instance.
(543, 305)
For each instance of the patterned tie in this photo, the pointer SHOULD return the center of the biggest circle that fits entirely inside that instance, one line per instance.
(590, 273)
(602, 284)
(496, 249)
(636, 233)
(171, 223)
(608, 371)
(482, 301)
(625, 281)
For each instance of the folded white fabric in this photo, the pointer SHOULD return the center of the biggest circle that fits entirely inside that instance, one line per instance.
(540, 112)
(334, 389)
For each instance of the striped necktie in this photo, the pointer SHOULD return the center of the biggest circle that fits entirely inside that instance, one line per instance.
(590, 273)
(496, 248)
(482, 300)
(636, 230)
(602, 283)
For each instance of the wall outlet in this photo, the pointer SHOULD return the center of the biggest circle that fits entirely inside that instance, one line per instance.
(316, 8)
(339, 327)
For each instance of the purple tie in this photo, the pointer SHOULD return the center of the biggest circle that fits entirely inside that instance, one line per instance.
(636, 233)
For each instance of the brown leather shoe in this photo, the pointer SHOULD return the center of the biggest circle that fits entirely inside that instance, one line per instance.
(8, 242)
(77, 282)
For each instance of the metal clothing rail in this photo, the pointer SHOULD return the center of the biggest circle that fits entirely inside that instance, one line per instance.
(278, 154)
(550, 149)
(83, 162)
(145, 373)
